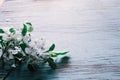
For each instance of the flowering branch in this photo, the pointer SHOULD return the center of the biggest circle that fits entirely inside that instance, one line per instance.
(17, 48)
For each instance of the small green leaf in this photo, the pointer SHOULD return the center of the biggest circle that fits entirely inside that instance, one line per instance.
(63, 53)
(51, 48)
(52, 64)
(55, 54)
(3, 43)
(12, 30)
(29, 23)
(19, 55)
(30, 28)
(23, 46)
(24, 31)
(1, 31)
(1, 38)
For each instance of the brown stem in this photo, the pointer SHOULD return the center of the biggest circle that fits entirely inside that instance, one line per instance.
(8, 73)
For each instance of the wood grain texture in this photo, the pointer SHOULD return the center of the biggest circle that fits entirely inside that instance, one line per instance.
(89, 29)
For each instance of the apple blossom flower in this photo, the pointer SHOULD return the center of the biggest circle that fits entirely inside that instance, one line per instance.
(28, 50)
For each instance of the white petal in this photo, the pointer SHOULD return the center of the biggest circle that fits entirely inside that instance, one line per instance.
(11, 56)
(28, 50)
(45, 56)
(13, 51)
(39, 44)
(19, 37)
(18, 49)
(6, 37)
(19, 59)
(13, 65)
(1, 52)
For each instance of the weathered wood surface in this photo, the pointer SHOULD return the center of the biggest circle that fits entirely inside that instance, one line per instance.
(89, 29)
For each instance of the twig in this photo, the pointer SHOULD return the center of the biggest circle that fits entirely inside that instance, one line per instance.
(8, 73)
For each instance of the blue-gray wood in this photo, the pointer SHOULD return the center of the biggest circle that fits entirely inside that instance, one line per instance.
(89, 29)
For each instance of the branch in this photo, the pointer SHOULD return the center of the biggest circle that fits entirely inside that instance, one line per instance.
(8, 73)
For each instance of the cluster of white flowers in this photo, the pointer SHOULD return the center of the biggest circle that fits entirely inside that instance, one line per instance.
(34, 49)
(16, 47)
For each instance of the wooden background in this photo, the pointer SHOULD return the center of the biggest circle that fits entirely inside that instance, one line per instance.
(89, 29)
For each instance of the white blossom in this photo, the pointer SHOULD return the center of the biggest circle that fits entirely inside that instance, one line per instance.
(19, 37)
(13, 65)
(18, 49)
(13, 51)
(27, 39)
(45, 55)
(39, 44)
(6, 37)
(28, 50)
(16, 36)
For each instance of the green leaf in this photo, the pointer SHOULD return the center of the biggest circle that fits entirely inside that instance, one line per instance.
(51, 48)
(52, 64)
(54, 54)
(24, 31)
(12, 30)
(23, 46)
(19, 55)
(3, 43)
(63, 53)
(30, 28)
(1, 31)
(1, 38)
